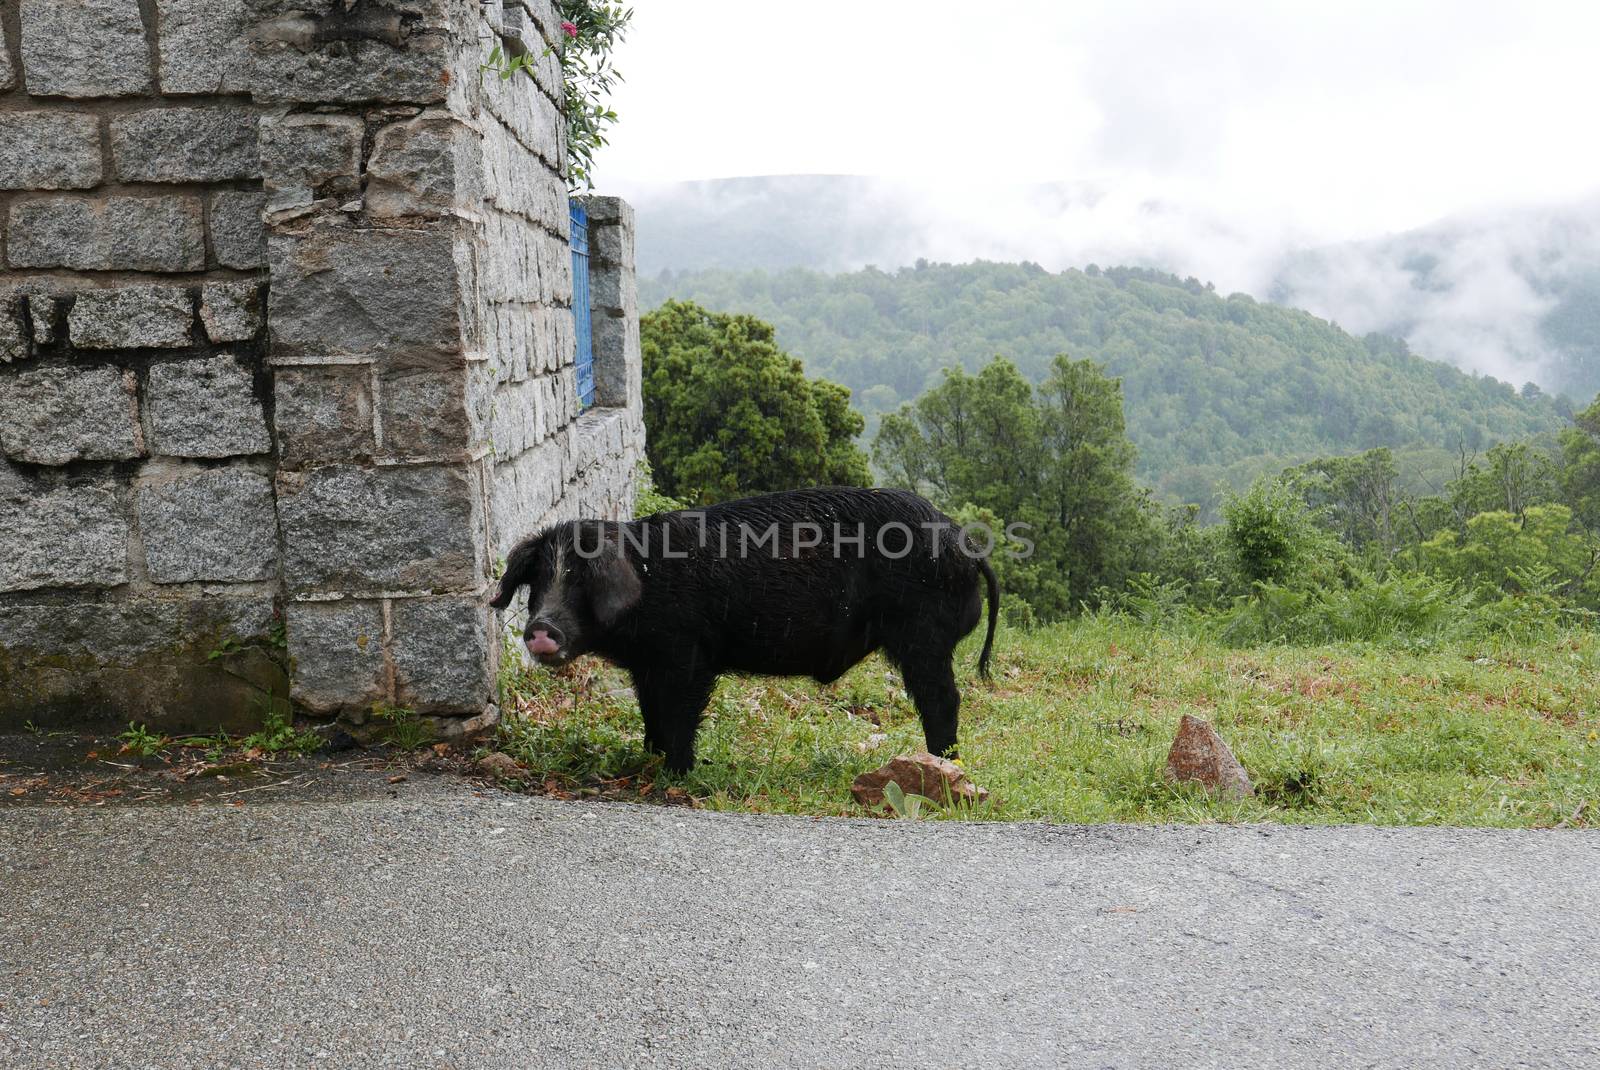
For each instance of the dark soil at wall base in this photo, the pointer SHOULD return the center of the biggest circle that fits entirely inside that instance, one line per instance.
(66, 769)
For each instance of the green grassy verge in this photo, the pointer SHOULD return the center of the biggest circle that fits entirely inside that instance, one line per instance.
(1076, 726)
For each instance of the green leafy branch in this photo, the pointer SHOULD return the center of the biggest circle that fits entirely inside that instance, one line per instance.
(592, 31)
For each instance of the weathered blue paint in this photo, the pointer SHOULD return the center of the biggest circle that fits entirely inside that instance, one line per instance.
(580, 304)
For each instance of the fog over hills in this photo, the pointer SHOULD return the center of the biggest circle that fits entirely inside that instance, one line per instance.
(1513, 293)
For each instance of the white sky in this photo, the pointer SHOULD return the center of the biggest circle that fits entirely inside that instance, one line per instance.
(1311, 121)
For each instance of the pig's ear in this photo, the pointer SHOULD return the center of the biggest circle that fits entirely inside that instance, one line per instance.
(614, 585)
(519, 573)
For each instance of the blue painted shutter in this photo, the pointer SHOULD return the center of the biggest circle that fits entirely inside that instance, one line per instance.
(580, 304)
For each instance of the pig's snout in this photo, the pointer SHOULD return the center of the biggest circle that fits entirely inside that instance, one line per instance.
(542, 644)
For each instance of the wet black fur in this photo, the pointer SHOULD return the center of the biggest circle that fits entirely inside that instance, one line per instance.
(677, 623)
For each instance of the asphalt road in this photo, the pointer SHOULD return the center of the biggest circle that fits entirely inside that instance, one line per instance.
(439, 929)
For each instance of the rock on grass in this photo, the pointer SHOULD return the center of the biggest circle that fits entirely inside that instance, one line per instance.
(918, 774)
(1199, 755)
(498, 765)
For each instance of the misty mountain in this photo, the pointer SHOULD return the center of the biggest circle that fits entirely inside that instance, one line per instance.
(1216, 389)
(1513, 294)
(1516, 294)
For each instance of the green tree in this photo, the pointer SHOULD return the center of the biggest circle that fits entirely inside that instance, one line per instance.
(1055, 461)
(1356, 496)
(1102, 519)
(1275, 537)
(728, 413)
(1580, 467)
(973, 438)
(1217, 390)
(1512, 477)
(1498, 547)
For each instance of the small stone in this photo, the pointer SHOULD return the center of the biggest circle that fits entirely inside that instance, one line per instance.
(238, 234)
(423, 167)
(72, 535)
(203, 46)
(185, 145)
(1198, 754)
(43, 311)
(49, 150)
(206, 408)
(323, 414)
(13, 342)
(872, 742)
(358, 293)
(56, 415)
(132, 317)
(84, 48)
(461, 730)
(499, 765)
(114, 234)
(922, 774)
(8, 74)
(441, 650)
(308, 156)
(214, 525)
(231, 311)
(392, 528)
(336, 740)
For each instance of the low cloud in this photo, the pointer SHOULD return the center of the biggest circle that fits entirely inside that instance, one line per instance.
(1476, 291)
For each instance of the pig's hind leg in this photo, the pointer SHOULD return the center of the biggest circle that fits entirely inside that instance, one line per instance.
(932, 685)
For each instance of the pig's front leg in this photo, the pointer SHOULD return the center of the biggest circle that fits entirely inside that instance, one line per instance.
(672, 699)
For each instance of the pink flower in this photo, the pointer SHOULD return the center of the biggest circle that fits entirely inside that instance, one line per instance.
(570, 29)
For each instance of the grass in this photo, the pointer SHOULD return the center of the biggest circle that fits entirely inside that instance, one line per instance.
(278, 735)
(140, 742)
(403, 729)
(1076, 726)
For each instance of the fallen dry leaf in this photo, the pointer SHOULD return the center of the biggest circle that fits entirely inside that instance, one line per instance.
(679, 797)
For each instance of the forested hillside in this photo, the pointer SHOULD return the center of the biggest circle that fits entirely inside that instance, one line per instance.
(1512, 291)
(1216, 389)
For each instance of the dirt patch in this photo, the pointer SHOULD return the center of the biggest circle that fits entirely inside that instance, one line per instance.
(69, 769)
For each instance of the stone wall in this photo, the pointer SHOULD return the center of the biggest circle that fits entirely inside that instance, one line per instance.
(286, 353)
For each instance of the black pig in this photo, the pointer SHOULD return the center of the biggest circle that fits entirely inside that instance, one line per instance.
(800, 583)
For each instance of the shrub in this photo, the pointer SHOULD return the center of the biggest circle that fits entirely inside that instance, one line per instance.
(1274, 537)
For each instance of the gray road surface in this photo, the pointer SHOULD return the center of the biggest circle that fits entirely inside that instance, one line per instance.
(438, 929)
